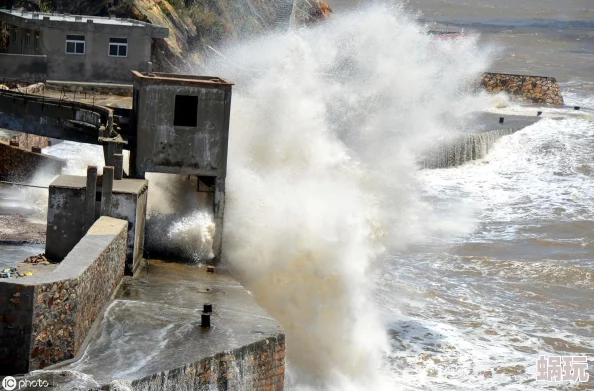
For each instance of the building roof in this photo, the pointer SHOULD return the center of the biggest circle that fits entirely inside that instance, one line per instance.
(179, 78)
(26, 19)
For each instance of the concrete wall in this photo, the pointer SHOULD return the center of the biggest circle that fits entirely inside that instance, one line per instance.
(66, 211)
(95, 64)
(535, 89)
(163, 147)
(256, 367)
(19, 165)
(65, 220)
(24, 67)
(46, 318)
(52, 117)
(16, 311)
(132, 208)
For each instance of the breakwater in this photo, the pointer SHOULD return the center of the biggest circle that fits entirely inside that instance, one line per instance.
(475, 144)
(463, 148)
(534, 89)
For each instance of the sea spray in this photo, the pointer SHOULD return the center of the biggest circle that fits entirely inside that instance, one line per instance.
(327, 127)
(180, 224)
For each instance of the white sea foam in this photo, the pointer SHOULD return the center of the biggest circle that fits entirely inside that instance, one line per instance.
(327, 127)
(540, 172)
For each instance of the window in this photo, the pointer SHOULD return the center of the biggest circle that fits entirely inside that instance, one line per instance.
(75, 44)
(118, 47)
(186, 111)
(27, 40)
(15, 35)
(36, 41)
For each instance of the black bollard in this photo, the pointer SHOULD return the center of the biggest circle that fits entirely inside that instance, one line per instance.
(207, 308)
(501, 119)
(539, 114)
(576, 107)
(205, 320)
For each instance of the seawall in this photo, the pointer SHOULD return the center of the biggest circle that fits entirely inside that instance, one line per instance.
(474, 145)
(534, 89)
(45, 318)
(20, 165)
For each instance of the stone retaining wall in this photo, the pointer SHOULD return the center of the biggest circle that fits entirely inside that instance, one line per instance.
(535, 89)
(45, 319)
(257, 367)
(19, 165)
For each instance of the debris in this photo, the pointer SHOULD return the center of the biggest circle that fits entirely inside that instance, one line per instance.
(28, 274)
(10, 272)
(38, 259)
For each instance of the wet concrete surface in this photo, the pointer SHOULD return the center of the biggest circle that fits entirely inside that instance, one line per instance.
(489, 121)
(155, 325)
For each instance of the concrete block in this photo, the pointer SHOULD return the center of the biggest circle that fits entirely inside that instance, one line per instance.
(66, 215)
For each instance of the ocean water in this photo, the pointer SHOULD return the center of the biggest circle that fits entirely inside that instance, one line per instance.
(492, 264)
(475, 312)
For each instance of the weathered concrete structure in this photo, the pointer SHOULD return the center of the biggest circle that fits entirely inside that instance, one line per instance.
(44, 319)
(188, 134)
(76, 48)
(66, 215)
(244, 349)
(461, 148)
(54, 118)
(20, 165)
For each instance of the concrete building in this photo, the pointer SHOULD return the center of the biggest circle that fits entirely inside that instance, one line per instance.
(76, 48)
(66, 215)
(187, 135)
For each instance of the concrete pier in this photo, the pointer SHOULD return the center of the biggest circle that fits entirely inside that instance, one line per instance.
(155, 322)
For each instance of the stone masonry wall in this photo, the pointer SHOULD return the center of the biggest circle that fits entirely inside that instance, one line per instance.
(257, 367)
(21, 165)
(535, 89)
(16, 307)
(51, 314)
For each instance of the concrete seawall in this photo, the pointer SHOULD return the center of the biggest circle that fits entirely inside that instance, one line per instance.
(475, 145)
(21, 165)
(534, 89)
(151, 337)
(45, 319)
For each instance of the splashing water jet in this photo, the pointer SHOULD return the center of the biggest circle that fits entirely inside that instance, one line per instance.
(327, 127)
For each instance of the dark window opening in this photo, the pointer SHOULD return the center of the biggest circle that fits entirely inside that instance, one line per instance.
(36, 41)
(206, 184)
(27, 40)
(75, 44)
(118, 47)
(186, 111)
